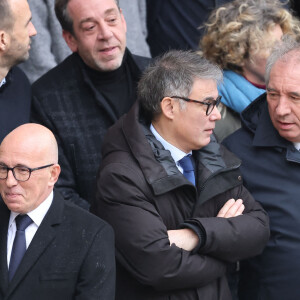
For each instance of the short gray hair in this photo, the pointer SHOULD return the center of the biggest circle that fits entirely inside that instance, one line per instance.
(173, 74)
(6, 16)
(279, 52)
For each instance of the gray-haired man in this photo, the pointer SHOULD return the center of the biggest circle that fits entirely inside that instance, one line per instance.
(173, 195)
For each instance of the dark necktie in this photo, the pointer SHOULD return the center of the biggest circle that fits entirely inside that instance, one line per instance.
(188, 168)
(19, 245)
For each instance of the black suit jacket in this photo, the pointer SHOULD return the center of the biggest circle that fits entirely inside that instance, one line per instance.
(70, 257)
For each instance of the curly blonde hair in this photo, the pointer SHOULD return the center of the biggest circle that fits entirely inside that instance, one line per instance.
(239, 27)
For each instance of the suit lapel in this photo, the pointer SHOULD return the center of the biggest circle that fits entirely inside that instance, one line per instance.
(42, 239)
(4, 219)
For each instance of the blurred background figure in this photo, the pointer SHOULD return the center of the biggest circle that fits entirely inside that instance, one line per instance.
(239, 37)
(174, 24)
(49, 48)
(295, 5)
(135, 15)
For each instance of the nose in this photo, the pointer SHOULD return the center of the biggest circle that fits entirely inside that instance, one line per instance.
(105, 32)
(11, 180)
(31, 30)
(215, 114)
(283, 107)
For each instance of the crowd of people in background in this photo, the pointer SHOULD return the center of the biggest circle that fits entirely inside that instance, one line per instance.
(149, 149)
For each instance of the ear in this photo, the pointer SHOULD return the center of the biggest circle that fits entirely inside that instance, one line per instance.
(4, 40)
(54, 174)
(168, 106)
(70, 40)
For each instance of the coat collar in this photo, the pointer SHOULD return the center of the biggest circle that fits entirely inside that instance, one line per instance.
(135, 64)
(156, 163)
(257, 119)
(266, 135)
(43, 237)
(4, 218)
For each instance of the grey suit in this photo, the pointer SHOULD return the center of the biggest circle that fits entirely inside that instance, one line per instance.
(70, 257)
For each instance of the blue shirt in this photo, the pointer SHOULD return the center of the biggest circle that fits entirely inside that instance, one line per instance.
(176, 153)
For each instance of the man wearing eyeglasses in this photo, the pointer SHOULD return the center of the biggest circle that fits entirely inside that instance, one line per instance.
(174, 195)
(49, 249)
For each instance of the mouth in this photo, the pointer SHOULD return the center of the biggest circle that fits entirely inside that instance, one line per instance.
(11, 196)
(209, 130)
(285, 125)
(108, 50)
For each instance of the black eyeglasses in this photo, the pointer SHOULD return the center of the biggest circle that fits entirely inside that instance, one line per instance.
(210, 104)
(20, 173)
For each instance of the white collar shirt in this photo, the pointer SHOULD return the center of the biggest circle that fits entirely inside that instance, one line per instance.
(37, 216)
(176, 153)
(3, 81)
(297, 146)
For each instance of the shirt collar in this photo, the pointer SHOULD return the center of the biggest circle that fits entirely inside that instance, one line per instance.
(2, 82)
(37, 215)
(297, 146)
(176, 153)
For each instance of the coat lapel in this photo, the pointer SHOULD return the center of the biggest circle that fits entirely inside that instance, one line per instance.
(4, 218)
(42, 239)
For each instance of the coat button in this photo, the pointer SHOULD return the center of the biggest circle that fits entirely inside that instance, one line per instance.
(239, 177)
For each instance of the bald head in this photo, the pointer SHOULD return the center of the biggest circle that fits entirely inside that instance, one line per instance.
(34, 140)
(28, 161)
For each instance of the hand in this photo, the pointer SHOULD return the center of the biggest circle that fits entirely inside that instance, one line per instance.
(185, 238)
(231, 209)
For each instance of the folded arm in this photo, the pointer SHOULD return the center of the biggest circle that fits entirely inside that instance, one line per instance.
(142, 240)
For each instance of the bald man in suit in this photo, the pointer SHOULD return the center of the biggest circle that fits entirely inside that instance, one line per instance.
(69, 253)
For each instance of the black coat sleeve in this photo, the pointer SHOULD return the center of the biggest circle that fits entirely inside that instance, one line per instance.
(236, 238)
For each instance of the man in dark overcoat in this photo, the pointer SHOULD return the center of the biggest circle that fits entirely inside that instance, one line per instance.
(268, 144)
(84, 95)
(173, 195)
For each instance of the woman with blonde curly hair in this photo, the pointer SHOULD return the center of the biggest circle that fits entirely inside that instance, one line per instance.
(239, 37)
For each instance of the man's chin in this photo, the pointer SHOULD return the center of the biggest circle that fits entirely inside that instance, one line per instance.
(108, 65)
(22, 59)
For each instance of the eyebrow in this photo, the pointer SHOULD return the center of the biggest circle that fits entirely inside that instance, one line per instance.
(89, 19)
(296, 94)
(270, 89)
(92, 19)
(111, 10)
(208, 98)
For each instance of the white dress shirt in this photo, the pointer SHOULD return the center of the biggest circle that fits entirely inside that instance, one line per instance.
(176, 153)
(37, 216)
(3, 81)
(297, 146)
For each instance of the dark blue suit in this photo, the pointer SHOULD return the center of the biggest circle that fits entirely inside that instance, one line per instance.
(15, 101)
